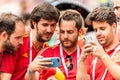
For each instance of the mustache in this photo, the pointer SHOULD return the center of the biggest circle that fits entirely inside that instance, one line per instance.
(46, 33)
(66, 40)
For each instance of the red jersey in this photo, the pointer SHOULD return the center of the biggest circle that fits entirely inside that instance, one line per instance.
(100, 67)
(55, 52)
(0, 58)
(17, 63)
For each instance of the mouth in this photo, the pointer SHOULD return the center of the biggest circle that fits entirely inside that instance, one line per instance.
(48, 34)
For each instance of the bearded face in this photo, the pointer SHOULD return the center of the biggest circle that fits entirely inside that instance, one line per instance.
(8, 46)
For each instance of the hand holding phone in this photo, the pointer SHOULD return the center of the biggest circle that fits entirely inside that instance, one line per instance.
(55, 60)
(87, 39)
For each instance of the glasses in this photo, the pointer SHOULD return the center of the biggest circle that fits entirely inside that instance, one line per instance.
(69, 62)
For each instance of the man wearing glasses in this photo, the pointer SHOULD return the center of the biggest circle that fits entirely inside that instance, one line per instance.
(117, 12)
(68, 50)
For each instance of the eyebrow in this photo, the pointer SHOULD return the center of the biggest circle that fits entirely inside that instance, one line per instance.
(116, 7)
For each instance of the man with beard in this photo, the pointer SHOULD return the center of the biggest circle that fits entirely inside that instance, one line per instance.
(11, 33)
(68, 50)
(101, 61)
(44, 18)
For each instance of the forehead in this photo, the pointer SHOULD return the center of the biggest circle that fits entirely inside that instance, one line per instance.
(67, 25)
(99, 24)
(47, 21)
(19, 27)
(116, 3)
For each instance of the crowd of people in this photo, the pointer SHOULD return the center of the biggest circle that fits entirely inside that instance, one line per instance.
(26, 55)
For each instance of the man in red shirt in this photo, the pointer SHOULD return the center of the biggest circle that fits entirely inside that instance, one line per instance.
(101, 62)
(11, 33)
(68, 50)
(44, 18)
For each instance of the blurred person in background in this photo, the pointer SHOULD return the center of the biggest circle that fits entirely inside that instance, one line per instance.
(26, 18)
(43, 21)
(117, 12)
(12, 6)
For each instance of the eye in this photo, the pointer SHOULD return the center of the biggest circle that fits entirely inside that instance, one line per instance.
(53, 25)
(18, 37)
(62, 32)
(70, 32)
(45, 25)
(102, 28)
(117, 7)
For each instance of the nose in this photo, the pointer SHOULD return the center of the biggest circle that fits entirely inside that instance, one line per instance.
(65, 35)
(49, 29)
(116, 12)
(98, 32)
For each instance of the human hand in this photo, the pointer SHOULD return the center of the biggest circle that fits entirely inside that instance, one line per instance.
(93, 49)
(39, 63)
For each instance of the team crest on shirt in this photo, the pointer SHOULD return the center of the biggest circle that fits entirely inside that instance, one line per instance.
(25, 55)
(116, 57)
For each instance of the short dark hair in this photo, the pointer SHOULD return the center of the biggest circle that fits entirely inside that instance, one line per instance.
(7, 22)
(72, 15)
(45, 11)
(101, 14)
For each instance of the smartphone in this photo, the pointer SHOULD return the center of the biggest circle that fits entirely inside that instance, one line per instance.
(87, 39)
(56, 62)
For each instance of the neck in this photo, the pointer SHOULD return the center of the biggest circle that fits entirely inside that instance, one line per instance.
(70, 50)
(36, 43)
(112, 45)
(1, 49)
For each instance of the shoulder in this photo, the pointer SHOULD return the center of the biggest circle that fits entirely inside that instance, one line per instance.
(45, 50)
(55, 46)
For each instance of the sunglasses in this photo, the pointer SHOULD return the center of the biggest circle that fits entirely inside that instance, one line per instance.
(69, 65)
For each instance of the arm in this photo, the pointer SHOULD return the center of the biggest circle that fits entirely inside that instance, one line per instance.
(112, 66)
(5, 76)
(81, 71)
(35, 66)
(7, 66)
(31, 76)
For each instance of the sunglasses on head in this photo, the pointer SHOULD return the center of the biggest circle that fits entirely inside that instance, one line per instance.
(70, 65)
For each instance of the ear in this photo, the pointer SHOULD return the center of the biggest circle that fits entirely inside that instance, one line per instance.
(81, 32)
(34, 24)
(114, 27)
(4, 36)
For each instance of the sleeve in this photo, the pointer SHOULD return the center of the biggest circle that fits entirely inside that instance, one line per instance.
(8, 63)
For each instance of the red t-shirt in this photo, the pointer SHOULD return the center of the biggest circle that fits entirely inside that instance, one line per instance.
(55, 52)
(17, 63)
(100, 67)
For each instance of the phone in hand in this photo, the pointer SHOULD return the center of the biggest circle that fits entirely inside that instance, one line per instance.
(87, 39)
(56, 62)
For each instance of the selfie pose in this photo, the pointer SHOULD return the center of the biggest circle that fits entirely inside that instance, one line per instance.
(68, 50)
